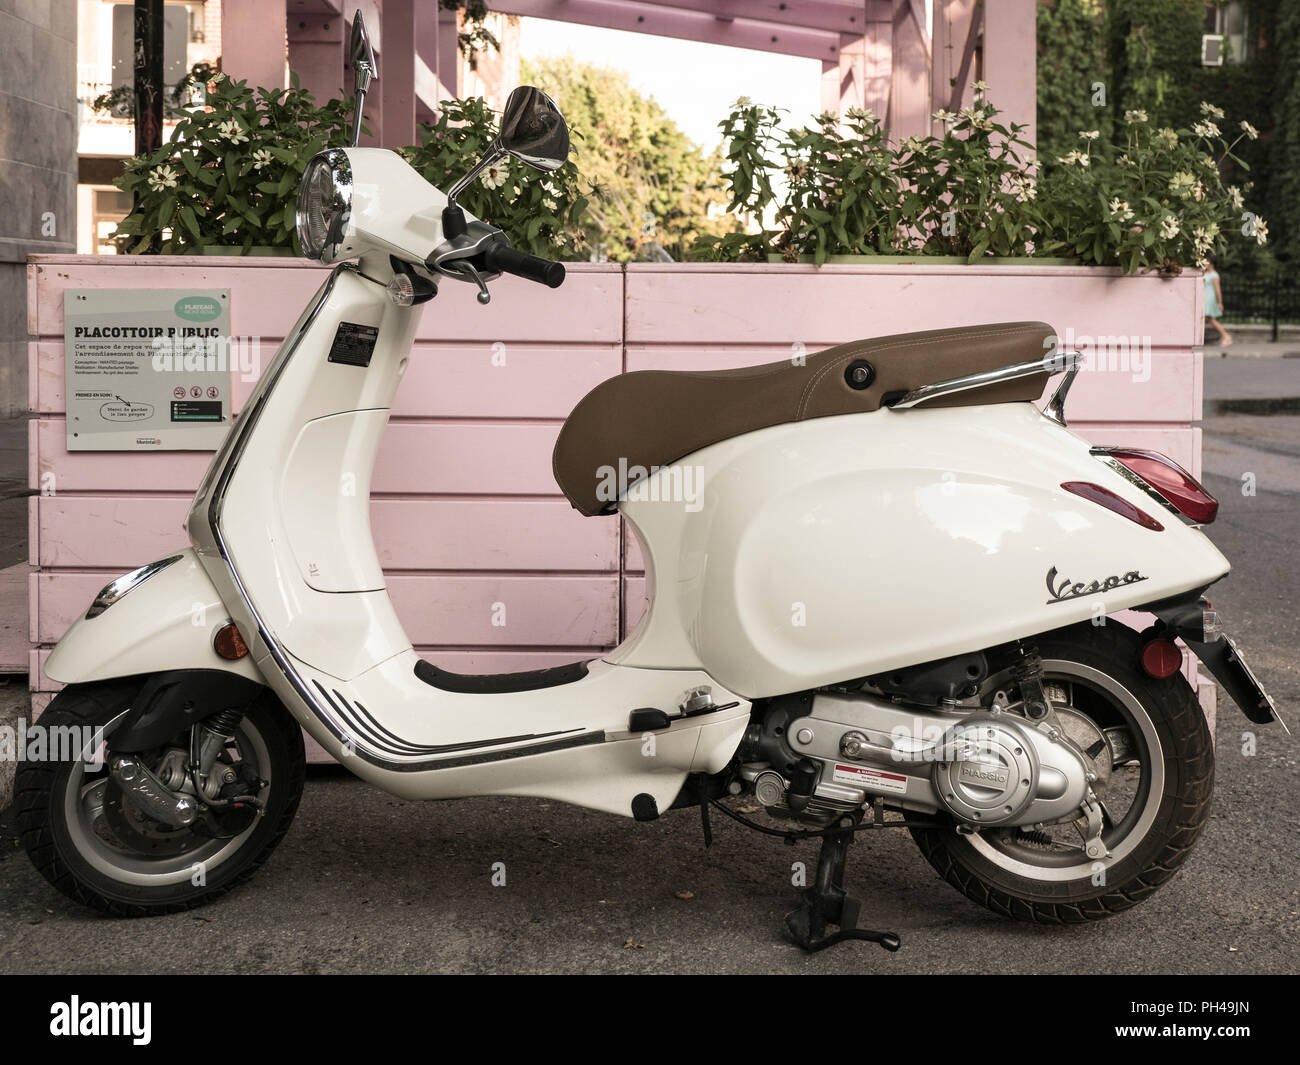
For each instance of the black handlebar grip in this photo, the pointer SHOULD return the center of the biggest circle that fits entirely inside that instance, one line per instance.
(506, 260)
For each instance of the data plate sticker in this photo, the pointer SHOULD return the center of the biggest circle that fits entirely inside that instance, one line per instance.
(859, 776)
(354, 344)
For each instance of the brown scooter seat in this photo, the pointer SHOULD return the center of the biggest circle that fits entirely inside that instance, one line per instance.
(653, 418)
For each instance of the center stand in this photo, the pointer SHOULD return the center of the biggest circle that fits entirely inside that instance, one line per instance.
(825, 903)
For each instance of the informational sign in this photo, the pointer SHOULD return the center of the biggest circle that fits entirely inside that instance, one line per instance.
(147, 370)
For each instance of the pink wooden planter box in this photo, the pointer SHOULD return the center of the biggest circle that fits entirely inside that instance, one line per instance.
(465, 511)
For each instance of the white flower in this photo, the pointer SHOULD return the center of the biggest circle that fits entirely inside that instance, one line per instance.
(1135, 116)
(796, 172)
(163, 178)
(549, 204)
(1167, 137)
(1089, 134)
(1198, 192)
(1068, 160)
(741, 103)
(262, 157)
(913, 144)
(1249, 130)
(232, 132)
(1169, 227)
(1236, 198)
(1182, 183)
(1085, 159)
(860, 114)
(494, 176)
(1205, 129)
(1120, 210)
(1261, 230)
(1124, 160)
(946, 117)
(1211, 110)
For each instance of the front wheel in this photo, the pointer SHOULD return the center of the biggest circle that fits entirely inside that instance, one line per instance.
(1151, 750)
(101, 852)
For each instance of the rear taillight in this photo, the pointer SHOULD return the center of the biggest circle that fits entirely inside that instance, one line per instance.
(1173, 484)
(1108, 499)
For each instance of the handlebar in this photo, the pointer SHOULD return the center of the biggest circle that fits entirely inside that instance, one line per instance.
(501, 258)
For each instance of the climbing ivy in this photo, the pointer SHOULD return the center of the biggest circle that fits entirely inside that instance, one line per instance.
(1072, 68)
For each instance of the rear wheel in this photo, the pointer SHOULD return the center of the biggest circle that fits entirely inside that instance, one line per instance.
(1148, 742)
(98, 850)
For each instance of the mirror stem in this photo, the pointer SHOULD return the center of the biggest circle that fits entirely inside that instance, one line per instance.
(494, 155)
(363, 76)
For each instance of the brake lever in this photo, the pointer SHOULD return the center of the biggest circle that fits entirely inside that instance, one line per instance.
(459, 268)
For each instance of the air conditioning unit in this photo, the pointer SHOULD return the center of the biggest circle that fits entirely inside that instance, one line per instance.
(1212, 49)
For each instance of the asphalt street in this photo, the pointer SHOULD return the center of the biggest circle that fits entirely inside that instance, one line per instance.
(368, 883)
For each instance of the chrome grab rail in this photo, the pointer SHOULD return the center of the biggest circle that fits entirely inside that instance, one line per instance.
(1052, 363)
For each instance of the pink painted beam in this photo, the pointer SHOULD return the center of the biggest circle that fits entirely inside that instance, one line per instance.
(253, 41)
(1011, 62)
(687, 24)
(316, 54)
(956, 26)
(836, 16)
(783, 304)
(910, 77)
(397, 72)
(411, 534)
(477, 458)
(438, 610)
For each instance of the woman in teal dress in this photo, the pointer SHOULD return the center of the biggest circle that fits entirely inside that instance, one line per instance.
(1214, 303)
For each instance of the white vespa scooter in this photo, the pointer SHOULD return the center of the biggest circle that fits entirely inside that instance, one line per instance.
(885, 601)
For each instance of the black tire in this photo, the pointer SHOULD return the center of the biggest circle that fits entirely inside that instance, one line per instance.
(1159, 851)
(41, 796)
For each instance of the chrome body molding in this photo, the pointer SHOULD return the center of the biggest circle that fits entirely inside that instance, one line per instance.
(115, 589)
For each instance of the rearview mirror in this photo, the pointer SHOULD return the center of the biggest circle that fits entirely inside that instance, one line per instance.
(364, 68)
(532, 130)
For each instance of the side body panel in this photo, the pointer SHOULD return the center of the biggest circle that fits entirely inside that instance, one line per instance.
(840, 547)
(281, 525)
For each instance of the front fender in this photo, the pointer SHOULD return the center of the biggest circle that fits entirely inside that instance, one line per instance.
(167, 622)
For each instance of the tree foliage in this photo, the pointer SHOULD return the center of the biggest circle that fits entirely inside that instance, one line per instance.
(651, 185)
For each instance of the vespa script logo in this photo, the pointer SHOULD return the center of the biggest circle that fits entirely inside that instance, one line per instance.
(1063, 588)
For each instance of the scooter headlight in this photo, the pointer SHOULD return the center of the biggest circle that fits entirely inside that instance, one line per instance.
(324, 205)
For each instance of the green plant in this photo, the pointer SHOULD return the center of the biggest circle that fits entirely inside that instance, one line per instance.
(540, 213)
(1159, 203)
(229, 173)
(970, 192)
(839, 188)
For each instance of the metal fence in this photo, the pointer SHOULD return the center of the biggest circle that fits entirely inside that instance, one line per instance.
(1269, 299)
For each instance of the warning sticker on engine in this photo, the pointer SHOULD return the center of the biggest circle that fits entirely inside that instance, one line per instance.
(860, 776)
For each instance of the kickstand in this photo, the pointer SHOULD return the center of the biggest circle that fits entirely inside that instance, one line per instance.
(825, 903)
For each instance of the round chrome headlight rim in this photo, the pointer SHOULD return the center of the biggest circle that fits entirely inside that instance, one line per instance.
(324, 206)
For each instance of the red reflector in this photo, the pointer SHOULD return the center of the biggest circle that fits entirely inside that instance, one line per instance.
(229, 643)
(1108, 499)
(1171, 481)
(1161, 658)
